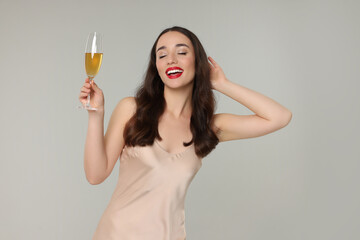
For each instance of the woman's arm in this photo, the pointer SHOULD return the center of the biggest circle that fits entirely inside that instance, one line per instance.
(102, 152)
(269, 115)
(95, 160)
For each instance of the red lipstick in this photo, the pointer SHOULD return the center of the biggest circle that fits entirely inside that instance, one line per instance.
(175, 72)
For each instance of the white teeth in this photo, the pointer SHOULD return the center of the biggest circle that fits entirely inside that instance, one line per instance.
(174, 71)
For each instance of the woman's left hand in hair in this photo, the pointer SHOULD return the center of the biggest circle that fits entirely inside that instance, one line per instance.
(217, 76)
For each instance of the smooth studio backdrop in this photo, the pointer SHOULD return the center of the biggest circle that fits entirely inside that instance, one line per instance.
(298, 183)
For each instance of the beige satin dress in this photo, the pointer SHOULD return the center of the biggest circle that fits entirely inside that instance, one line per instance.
(148, 201)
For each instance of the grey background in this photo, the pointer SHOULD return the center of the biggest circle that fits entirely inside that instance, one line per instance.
(300, 182)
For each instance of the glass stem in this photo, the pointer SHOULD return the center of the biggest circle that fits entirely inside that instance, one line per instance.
(88, 97)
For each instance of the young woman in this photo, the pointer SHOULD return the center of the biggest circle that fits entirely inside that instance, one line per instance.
(163, 133)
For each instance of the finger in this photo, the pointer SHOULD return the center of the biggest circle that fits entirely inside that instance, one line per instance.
(87, 80)
(85, 92)
(82, 98)
(213, 61)
(83, 95)
(85, 89)
(211, 66)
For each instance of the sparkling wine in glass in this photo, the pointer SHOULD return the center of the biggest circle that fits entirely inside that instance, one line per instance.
(93, 58)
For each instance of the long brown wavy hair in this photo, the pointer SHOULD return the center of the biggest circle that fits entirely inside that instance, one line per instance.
(142, 128)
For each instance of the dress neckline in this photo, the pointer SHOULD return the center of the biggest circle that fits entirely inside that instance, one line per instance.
(180, 153)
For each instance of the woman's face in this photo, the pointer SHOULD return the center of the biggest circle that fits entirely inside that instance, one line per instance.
(175, 59)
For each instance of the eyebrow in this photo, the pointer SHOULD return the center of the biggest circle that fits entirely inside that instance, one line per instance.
(177, 45)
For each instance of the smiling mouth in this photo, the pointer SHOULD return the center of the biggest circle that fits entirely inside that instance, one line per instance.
(174, 72)
(174, 75)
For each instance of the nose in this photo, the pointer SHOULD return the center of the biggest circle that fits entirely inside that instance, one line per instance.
(172, 58)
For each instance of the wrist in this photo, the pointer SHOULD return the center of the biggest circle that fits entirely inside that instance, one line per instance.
(221, 86)
(99, 113)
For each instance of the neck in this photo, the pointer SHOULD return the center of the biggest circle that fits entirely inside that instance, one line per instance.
(178, 102)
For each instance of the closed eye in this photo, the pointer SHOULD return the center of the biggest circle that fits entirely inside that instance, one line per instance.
(183, 53)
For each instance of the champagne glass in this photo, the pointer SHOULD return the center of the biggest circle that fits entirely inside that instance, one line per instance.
(93, 58)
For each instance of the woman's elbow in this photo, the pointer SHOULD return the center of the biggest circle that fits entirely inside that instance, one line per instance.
(94, 180)
(285, 120)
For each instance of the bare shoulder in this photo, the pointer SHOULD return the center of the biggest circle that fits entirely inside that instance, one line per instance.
(127, 103)
(122, 113)
(125, 109)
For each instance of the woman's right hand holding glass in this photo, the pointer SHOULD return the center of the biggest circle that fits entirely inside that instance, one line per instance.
(96, 95)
